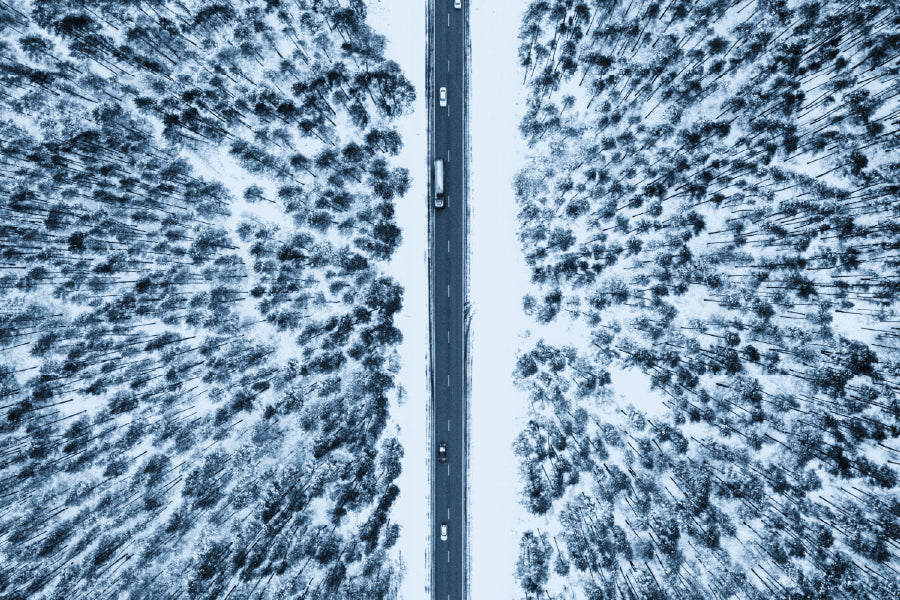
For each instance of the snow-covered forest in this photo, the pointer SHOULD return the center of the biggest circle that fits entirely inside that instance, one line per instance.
(197, 348)
(712, 193)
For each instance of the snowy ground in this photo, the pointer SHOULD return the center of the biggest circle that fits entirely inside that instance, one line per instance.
(403, 23)
(499, 279)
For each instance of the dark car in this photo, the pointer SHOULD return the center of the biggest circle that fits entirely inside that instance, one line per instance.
(442, 452)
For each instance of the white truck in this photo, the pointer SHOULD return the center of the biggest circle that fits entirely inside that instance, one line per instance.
(439, 183)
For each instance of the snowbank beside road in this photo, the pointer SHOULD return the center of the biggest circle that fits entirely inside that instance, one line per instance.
(498, 280)
(403, 23)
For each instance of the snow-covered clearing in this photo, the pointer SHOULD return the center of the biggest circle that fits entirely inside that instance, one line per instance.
(404, 24)
(499, 279)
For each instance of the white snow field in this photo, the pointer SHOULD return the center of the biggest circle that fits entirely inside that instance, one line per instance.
(498, 280)
(403, 23)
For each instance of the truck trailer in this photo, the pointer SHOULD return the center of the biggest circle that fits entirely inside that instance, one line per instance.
(439, 183)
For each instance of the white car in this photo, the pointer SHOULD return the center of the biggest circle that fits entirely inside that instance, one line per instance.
(442, 95)
(457, 3)
(443, 532)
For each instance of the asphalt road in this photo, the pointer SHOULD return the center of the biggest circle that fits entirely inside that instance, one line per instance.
(448, 293)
